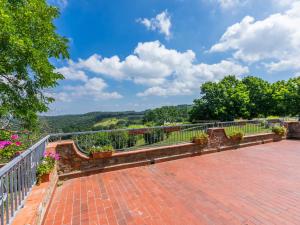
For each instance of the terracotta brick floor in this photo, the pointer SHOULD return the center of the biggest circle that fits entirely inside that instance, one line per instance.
(254, 185)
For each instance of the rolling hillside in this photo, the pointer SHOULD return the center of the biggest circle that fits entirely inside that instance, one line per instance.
(112, 120)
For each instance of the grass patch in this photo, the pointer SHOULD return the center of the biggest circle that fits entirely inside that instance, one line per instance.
(248, 129)
(107, 122)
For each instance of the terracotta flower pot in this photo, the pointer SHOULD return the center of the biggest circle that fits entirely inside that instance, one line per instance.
(236, 139)
(200, 141)
(45, 178)
(100, 155)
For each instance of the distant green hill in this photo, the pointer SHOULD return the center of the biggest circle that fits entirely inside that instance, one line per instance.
(112, 120)
(88, 121)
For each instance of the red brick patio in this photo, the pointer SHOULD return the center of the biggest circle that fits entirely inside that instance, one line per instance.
(253, 185)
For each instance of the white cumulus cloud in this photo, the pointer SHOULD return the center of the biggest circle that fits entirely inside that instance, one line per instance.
(72, 74)
(163, 71)
(161, 23)
(275, 40)
(94, 88)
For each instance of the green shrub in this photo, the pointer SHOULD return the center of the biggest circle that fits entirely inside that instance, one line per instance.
(105, 148)
(85, 141)
(236, 135)
(10, 151)
(102, 139)
(279, 130)
(4, 135)
(202, 139)
(132, 140)
(154, 136)
(10, 145)
(119, 139)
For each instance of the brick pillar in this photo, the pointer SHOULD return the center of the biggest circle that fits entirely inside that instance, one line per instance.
(293, 130)
(217, 137)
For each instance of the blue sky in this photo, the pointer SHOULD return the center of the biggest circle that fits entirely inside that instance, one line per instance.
(135, 55)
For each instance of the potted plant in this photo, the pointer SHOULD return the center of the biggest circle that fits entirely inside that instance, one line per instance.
(201, 139)
(99, 152)
(236, 136)
(280, 131)
(46, 166)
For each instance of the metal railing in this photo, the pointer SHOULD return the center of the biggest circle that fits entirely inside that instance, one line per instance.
(16, 179)
(133, 139)
(249, 127)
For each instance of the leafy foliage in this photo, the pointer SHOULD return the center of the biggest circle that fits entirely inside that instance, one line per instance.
(167, 114)
(201, 138)
(9, 145)
(279, 130)
(236, 135)
(154, 136)
(248, 98)
(4, 135)
(28, 39)
(225, 100)
(117, 139)
(260, 96)
(47, 164)
(90, 121)
(105, 148)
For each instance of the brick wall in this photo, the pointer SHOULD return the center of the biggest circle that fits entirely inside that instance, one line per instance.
(72, 161)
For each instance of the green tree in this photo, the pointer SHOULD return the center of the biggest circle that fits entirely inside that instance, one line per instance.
(28, 40)
(280, 103)
(292, 97)
(167, 114)
(260, 96)
(224, 100)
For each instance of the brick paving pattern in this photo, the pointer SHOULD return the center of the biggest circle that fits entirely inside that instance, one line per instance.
(253, 185)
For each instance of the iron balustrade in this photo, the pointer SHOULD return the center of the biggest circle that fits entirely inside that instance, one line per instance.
(17, 178)
(19, 175)
(137, 138)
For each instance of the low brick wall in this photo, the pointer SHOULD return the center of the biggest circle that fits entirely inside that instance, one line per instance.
(72, 162)
(293, 130)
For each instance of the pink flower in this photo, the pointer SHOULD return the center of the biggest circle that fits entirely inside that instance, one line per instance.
(14, 137)
(18, 143)
(52, 155)
(56, 157)
(3, 144)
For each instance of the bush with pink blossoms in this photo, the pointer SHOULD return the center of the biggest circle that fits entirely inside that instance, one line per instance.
(9, 145)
